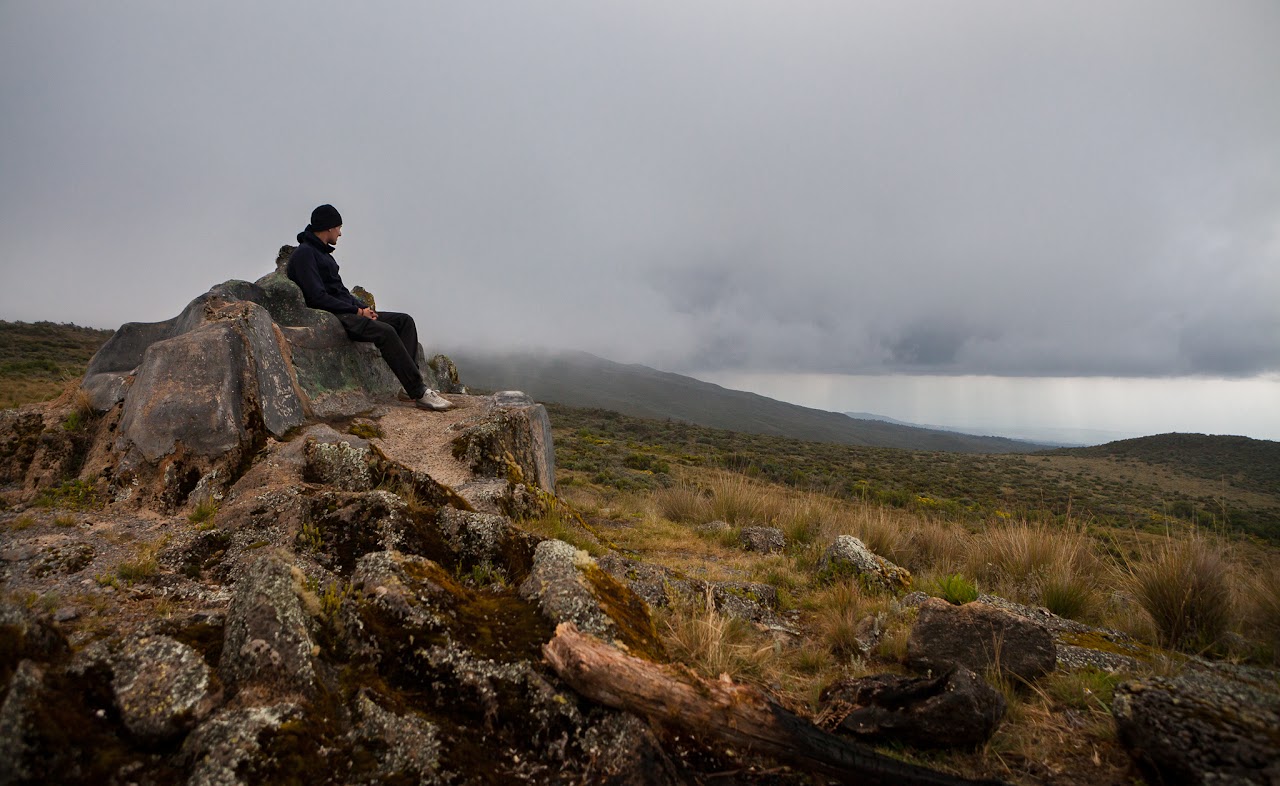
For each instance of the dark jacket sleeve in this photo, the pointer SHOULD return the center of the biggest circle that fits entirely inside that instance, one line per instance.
(303, 272)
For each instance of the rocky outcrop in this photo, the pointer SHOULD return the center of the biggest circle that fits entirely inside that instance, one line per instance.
(978, 636)
(1205, 726)
(849, 557)
(200, 394)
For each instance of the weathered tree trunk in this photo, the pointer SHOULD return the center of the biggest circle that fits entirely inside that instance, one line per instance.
(734, 714)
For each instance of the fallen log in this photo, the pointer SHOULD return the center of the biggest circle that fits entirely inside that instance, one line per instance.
(737, 715)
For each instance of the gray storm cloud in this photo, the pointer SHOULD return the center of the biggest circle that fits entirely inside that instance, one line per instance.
(985, 187)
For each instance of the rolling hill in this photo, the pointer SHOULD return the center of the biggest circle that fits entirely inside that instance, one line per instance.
(579, 379)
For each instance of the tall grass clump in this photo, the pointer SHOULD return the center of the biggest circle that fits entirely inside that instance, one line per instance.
(1056, 568)
(739, 501)
(1262, 608)
(683, 504)
(1185, 587)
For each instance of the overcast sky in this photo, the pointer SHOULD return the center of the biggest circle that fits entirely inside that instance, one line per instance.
(987, 190)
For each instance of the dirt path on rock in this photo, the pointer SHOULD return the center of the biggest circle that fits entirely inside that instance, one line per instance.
(424, 440)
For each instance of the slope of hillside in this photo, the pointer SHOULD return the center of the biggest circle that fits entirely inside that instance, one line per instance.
(1252, 464)
(38, 359)
(578, 379)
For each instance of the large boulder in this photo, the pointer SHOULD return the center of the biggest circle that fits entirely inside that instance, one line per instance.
(1202, 726)
(977, 636)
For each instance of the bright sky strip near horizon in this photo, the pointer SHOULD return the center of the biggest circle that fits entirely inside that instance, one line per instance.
(904, 193)
(1064, 409)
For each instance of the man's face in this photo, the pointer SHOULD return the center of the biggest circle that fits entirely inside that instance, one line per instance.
(330, 236)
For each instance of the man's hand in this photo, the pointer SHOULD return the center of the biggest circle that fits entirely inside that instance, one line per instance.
(368, 312)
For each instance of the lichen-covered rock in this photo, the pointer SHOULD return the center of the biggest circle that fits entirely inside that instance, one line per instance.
(485, 539)
(25, 634)
(1202, 727)
(954, 709)
(764, 540)
(621, 750)
(513, 441)
(976, 636)
(406, 747)
(161, 687)
(403, 599)
(63, 558)
(20, 761)
(568, 586)
(446, 374)
(849, 556)
(266, 638)
(657, 585)
(340, 461)
(229, 744)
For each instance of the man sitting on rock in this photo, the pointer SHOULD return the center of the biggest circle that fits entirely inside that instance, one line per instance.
(314, 270)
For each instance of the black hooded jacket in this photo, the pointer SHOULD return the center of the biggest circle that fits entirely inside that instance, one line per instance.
(314, 270)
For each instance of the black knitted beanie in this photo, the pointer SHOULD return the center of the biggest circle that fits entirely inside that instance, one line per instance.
(325, 217)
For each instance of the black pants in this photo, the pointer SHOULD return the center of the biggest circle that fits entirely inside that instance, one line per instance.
(396, 337)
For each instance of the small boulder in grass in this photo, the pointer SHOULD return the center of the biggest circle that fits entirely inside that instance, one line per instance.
(977, 635)
(764, 540)
(850, 557)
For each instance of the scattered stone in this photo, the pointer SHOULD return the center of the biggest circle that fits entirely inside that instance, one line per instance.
(744, 600)
(162, 687)
(849, 556)
(954, 709)
(976, 636)
(266, 638)
(765, 540)
(1202, 727)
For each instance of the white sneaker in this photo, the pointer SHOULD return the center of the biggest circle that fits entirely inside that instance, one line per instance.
(433, 402)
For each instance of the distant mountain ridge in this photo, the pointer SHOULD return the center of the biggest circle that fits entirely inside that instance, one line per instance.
(580, 379)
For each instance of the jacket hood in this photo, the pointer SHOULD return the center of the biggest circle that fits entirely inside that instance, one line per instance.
(309, 237)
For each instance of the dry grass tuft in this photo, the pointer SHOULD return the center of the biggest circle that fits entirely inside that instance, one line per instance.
(1056, 568)
(713, 644)
(1185, 587)
(741, 502)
